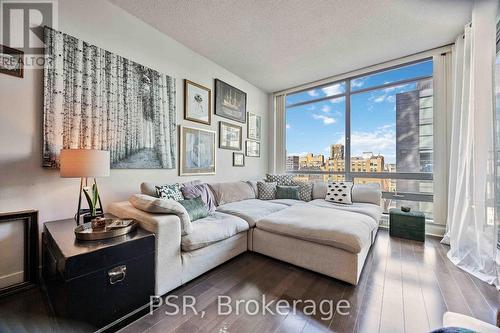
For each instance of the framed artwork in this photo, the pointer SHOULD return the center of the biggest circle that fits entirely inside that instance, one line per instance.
(197, 152)
(117, 105)
(230, 136)
(20, 231)
(254, 127)
(11, 61)
(252, 148)
(197, 103)
(238, 159)
(230, 102)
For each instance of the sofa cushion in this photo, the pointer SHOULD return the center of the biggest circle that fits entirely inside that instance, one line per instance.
(251, 210)
(191, 191)
(231, 191)
(342, 229)
(212, 229)
(368, 193)
(371, 210)
(287, 202)
(154, 205)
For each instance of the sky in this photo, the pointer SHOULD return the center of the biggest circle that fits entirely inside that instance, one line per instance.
(314, 127)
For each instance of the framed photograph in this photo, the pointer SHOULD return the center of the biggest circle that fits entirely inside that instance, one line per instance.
(252, 148)
(197, 152)
(11, 61)
(197, 102)
(254, 127)
(238, 159)
(230, 102)
(230, 136)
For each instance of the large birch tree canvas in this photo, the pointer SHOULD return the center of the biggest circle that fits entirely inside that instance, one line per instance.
(94, 99)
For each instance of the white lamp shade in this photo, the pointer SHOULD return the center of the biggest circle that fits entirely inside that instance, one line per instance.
(78, 163)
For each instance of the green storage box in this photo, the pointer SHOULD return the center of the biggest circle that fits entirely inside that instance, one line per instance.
(409, 225)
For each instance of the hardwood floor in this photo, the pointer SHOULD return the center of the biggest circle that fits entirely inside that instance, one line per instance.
(405, 286)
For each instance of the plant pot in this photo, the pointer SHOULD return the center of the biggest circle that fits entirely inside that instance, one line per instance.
(88, 218)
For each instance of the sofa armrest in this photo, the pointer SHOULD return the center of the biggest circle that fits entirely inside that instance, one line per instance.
(167, 228)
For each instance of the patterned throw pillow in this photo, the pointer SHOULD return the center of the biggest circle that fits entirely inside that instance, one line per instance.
(172, 191)
(267, 190)
(305, 190)
(287, 192)
(339, 192)
(280, 179)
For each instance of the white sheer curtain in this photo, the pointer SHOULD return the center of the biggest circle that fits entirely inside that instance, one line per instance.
(472, 230)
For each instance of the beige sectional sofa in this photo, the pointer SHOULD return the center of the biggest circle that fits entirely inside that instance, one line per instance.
(332, 239)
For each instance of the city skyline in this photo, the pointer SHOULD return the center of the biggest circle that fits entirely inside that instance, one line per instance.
(312, 128)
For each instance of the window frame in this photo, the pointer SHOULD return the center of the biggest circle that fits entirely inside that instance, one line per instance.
(347, 173)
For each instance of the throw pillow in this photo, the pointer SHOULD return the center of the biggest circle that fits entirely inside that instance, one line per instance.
(172, 191)
(287, 192)
(339, 192)
(195, 208)
(154, 205)
(305, 190)
(280, 179)
(192, 191)
(267, 190)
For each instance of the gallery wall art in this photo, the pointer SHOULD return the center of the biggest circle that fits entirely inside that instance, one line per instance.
(11, 61)
(230, 102)
(94, 99)
(197, 102)
(254, 127)
(197, 153)
(230, 136)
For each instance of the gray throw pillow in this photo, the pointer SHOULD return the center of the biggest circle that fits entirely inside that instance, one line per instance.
(339, 192)
(267, 190)
(200, 190)
(287, 192)
(305, 190)
(195, 208)
(172, 191)
(281, 180)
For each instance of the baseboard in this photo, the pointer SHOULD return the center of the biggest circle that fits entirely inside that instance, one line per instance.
(11, 279)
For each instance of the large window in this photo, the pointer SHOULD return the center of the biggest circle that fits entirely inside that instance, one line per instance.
(372, 128)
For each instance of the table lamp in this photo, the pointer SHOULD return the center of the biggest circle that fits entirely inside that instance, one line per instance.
(84, 164)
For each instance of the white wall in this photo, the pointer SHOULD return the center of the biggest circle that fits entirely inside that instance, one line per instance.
(24, 184)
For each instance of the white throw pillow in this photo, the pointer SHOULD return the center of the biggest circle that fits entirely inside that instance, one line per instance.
(339, 192)
(154, 205)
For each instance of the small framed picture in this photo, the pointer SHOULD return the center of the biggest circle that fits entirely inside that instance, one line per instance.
(252, 148)
(254, 126)
(230, 136)
(11, 61)
(238, 159)
(197, 151)
(197, 103)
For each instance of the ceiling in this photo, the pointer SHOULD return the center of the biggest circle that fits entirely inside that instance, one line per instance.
(278, 44)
